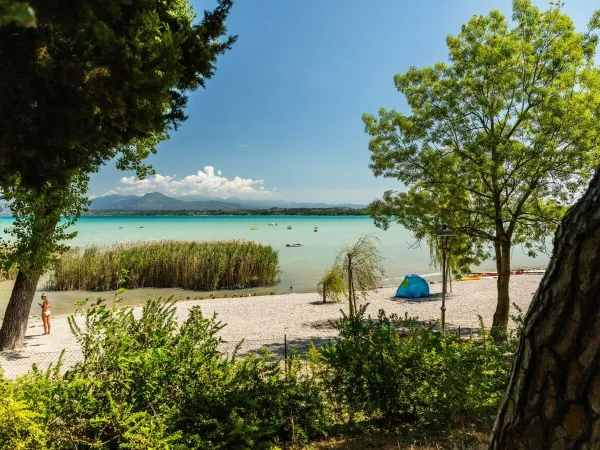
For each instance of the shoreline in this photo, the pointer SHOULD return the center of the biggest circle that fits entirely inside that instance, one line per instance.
(299, 318)
(64, 301)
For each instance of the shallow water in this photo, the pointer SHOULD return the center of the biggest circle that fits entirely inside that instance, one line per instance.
(301, 267)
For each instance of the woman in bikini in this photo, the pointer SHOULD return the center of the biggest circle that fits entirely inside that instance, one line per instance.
(45, 313)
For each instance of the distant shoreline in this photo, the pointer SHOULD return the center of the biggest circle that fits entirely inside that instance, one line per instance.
(333, 212)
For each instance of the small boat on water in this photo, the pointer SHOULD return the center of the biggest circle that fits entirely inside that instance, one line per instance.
(315, 229)
(271, 224)
(293, 245)
(253, 228)
(289, 227)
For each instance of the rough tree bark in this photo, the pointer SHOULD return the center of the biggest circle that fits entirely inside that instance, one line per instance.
(500, 320)
(14, 325)
(553, 399)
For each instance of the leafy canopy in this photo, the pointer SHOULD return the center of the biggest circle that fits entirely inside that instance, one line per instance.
(99, 80)
(501, 138)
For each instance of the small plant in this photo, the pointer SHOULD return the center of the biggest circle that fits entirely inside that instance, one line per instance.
(332, 285)
(362, 269)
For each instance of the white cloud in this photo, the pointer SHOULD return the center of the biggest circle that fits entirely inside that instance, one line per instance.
(204, 182)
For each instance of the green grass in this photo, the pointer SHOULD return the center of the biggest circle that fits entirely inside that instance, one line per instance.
(201, 266)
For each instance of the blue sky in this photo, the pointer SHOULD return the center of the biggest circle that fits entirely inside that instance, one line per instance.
(286, 102)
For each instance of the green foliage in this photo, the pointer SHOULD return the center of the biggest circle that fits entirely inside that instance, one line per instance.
(428, 378)
(465, 253)
(71, 104)
(332, 285)
(361, 266)
(18, 13)
(21, 428)
(41, 224)
(500, 140)
(147, 382)
(202, 266)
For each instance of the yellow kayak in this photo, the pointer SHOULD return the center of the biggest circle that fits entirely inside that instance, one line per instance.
(475, 278)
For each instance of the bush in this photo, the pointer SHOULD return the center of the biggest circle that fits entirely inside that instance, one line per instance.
(20, 427)
(203, 266)
(424, 377)
(148, 383)
(332, 285)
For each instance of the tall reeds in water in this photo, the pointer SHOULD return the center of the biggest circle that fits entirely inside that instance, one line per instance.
(202, 266)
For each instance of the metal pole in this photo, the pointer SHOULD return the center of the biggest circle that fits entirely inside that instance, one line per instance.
(285, 352)
(443, 291)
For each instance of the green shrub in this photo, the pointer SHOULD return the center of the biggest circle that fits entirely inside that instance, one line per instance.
(20, 427)
(203, 266)
(332, 285)
(425, 377)
(146, 382)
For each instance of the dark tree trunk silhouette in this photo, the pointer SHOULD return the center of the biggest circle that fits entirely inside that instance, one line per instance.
(503, 305)
(553, 399)
(14, 325)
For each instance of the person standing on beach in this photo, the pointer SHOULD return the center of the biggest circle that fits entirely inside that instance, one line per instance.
(45, 313)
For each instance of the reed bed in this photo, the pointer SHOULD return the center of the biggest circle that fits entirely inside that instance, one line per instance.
(9, 274)
(200, 266)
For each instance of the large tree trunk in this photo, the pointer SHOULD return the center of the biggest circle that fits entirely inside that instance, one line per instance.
(500, 320)
(35, 256)
(14, 325)
(553, 399)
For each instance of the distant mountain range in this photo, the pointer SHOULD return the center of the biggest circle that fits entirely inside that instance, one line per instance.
(156, 201)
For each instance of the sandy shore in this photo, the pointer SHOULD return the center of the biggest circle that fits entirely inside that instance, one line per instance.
(265, 320)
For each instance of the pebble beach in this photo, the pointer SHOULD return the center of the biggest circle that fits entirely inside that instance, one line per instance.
(266, 321)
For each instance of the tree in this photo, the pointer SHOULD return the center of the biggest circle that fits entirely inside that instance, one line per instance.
(553, 399)
(332, 284)
(361, 267)
(92, 82)
(500, 139)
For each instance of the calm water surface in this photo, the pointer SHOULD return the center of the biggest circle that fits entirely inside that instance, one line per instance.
(301, 267)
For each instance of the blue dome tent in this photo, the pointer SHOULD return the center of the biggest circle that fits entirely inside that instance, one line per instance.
(413, 286)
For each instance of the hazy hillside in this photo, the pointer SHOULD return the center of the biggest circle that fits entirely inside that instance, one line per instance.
(156, 201)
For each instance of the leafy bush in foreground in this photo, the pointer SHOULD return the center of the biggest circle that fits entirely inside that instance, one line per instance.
(202, 266)
(424, 376)
(148, 383)
(20, 427)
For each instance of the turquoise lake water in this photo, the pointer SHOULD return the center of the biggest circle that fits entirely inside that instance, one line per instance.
(301, 267)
